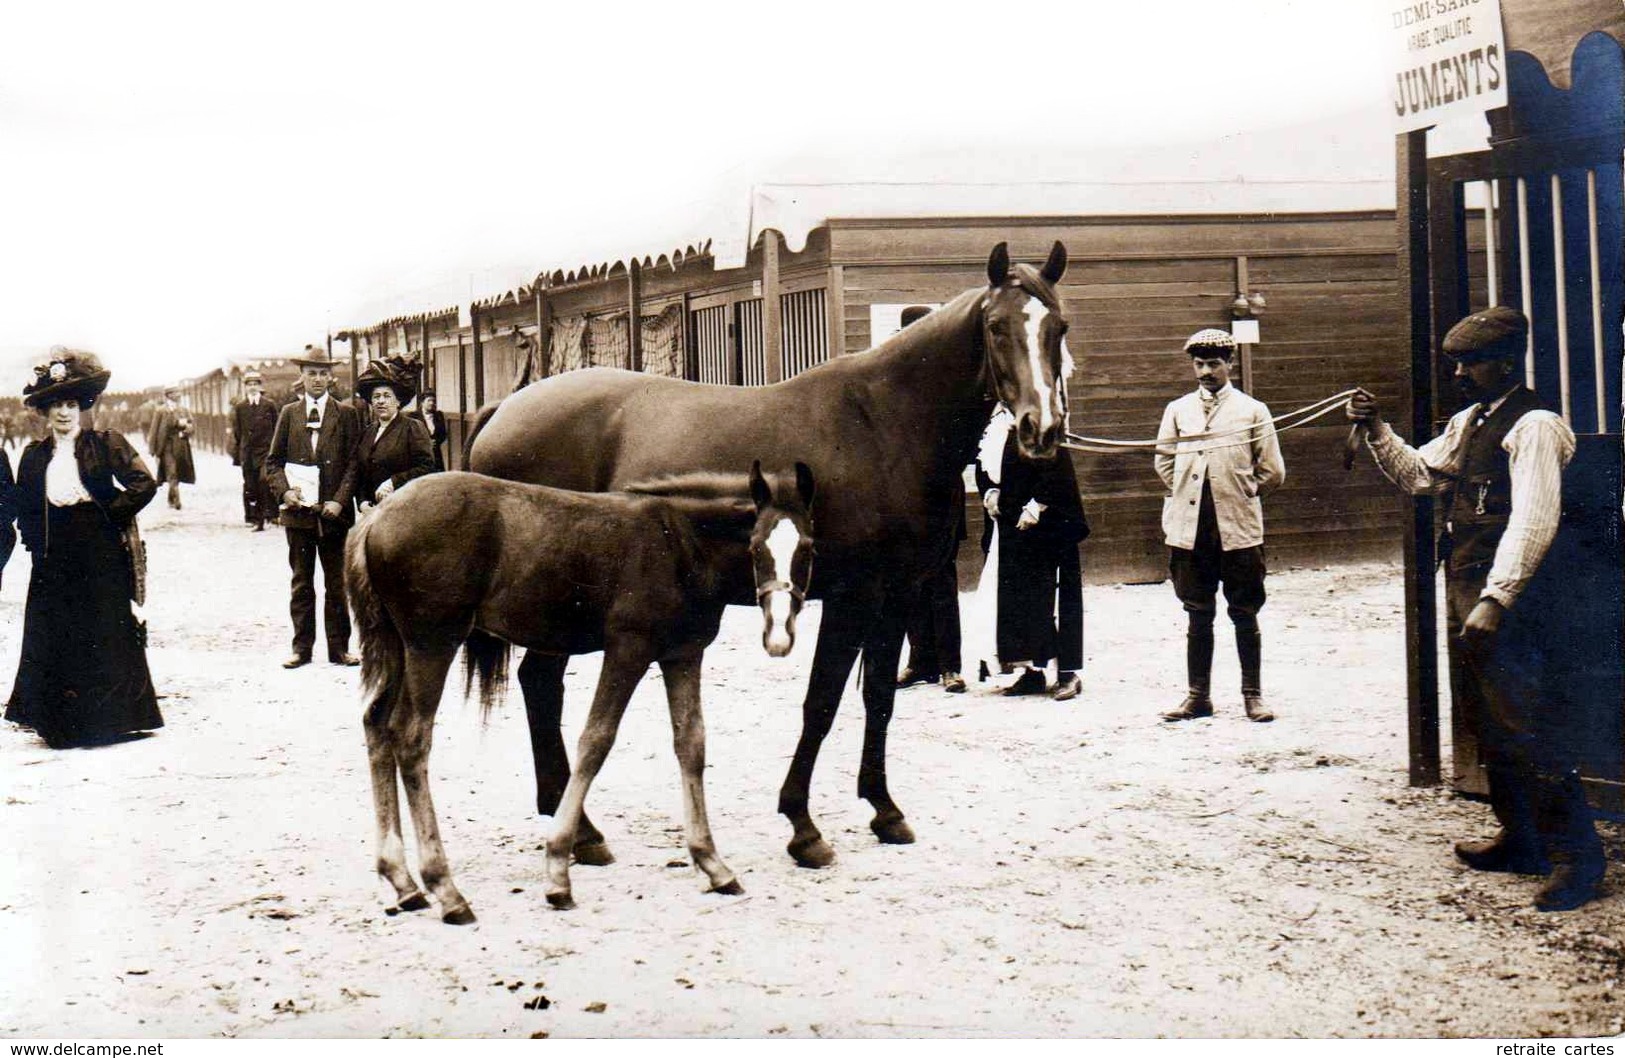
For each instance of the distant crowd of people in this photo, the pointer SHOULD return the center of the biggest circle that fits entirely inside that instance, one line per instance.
(316, 463)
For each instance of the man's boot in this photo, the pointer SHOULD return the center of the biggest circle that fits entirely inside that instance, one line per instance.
(1580, 861)
(1250, 651)
(1518, 848)
(1198, 671)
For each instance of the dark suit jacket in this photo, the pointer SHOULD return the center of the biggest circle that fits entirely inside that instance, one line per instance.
(1052, 482)
(251, 428)
(335, 455)
(402, 453)
(8, 510)
(435, 423)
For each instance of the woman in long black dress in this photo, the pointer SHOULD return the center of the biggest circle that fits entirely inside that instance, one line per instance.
(82, 677)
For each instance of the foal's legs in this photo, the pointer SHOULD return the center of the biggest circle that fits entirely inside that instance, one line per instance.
(623, 667)
(880, 653)
(386, 802)
(541, 680)
(688, 739)
(412, 725)
(840, 637)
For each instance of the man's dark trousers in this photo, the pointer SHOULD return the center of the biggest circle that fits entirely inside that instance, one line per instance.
(305, 546)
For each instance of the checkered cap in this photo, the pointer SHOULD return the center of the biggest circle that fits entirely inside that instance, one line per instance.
(1493, 332)
(1210, 339)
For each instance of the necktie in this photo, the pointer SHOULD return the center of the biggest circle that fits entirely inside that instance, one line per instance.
(1210, 404)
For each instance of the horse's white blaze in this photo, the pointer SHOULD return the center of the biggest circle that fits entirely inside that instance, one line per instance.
(781, 549)
(1035, 313)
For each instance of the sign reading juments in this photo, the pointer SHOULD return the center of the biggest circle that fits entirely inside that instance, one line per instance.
(1451, 61)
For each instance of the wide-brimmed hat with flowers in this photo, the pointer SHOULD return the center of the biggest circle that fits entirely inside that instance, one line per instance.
(397, 372)
(69, 374)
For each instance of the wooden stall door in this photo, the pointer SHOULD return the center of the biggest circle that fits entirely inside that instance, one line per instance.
(1552, 246)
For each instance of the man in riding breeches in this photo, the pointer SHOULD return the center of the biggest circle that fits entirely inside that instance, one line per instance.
(1499, 468)
(1213, 517)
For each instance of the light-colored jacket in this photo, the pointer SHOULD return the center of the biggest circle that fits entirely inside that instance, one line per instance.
(1241, 474)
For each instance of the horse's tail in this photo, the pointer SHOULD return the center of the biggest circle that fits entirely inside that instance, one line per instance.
(383, 655)
(485, 661)
(481, 417)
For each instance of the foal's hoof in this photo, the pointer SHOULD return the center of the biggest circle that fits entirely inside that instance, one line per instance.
(596, 854)
(729, 888)
(415, 902)
(458, 916)
(811, 852)
(892, 830)
(561, 901)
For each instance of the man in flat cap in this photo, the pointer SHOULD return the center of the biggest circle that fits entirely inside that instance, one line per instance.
(1499, 469)
(1213, 517)
(253, 421)
(310, 467)
(169, 439)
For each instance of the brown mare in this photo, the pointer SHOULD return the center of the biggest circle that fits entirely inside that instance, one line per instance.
(642, 576)
(887, 432)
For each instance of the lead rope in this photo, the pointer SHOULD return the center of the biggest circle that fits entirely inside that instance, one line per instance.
(1176, 445)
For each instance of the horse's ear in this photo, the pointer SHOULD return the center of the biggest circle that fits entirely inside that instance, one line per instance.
(998, 265)
(804, 484)
(760, 494)
(1055, 267)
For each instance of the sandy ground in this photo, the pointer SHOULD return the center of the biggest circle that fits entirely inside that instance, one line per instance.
(1082, 869)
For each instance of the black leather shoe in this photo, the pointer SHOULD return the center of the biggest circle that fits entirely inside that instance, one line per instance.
(1067, 686)
(1029, 682)
(344, 659)
(296, 661)
(910, 676)
(1503, 855)
(1573, 884)
(1194, 707)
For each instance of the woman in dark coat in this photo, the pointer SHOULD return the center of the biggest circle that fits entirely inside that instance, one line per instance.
(394, 448)
(82, 677)
(433, 420)
(1041, 525)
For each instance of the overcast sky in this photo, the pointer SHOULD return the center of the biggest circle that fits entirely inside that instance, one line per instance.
(180, 184)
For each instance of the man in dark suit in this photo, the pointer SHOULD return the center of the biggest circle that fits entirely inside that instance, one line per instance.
(434, 421)
(253, 421)
(316, 434)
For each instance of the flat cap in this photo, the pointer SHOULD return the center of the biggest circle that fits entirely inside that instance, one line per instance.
(1210, 340)
(1497, 331)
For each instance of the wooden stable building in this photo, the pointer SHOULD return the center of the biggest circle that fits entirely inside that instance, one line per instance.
(1136, 286)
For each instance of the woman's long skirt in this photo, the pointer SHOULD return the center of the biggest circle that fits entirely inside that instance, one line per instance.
(83, 674)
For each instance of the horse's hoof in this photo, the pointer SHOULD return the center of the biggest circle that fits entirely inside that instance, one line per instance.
(729, 888)
(461, 916)
(561, 901)
(596, 854)
(893, 830)
(415, 902)
(813, 853)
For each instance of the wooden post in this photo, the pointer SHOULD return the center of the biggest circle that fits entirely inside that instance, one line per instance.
(835, 305)
(1244, 287)
(772, 352)
(479, 360)
(634, 321)
(428, 361)
(544, 331)
(1421, 603)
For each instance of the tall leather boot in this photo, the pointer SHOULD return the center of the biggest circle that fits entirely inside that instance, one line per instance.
(1580, 861)
(1250, 651)
(1198, 670)
(1518, 848)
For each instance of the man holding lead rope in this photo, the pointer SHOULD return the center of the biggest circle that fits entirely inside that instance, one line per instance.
(1499, 466)
(1213, 517)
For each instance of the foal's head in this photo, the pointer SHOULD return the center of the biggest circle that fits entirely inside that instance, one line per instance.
(781, 553)
(1024, 331)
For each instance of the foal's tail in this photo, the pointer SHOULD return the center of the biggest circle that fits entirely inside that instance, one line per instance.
(485, 661)
(383, 655)
(481, 417)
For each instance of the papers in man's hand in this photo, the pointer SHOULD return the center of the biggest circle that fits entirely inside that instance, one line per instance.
(307, 478)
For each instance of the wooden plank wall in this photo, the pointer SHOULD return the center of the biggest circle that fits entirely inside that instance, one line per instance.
(1135, 289)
